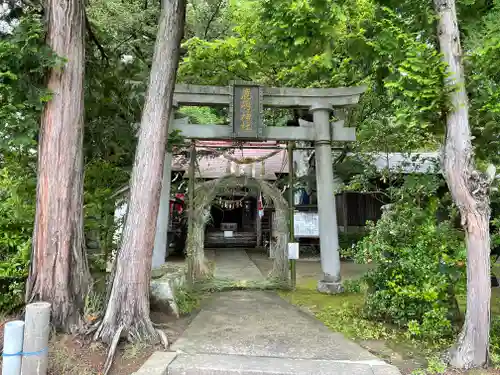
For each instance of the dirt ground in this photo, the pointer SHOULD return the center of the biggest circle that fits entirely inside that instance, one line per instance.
(74, 356)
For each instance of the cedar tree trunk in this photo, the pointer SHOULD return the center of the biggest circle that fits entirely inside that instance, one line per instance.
(59, 271)
(470, 191)
(128, 303)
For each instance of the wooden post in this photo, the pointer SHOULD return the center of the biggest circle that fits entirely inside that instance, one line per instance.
(36, 339)
(345, 216)
(293, 262)
(191, 187)
(258, 223)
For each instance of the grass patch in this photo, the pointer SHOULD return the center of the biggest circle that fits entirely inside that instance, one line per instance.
(213, 285)
(135, 350)
(342, 313)
(187, 300)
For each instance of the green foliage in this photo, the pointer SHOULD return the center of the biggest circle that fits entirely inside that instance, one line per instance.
(419, 265)
(483, 82)
(495, 340)
(187, 300)
(349, 320)
(16, 208)
(23, 61)
(341, 313)
(353, 286)
(495, 235)
(348, 240)
(412, 72)
(94, 304)
(12, 296)
(217, 62)
(16, 227)
(102, 180)
(202, 115)
(435, 366)
(208, 19)
(212, 285)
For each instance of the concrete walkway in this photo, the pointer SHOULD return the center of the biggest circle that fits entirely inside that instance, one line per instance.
(235, 265)
(258, 333)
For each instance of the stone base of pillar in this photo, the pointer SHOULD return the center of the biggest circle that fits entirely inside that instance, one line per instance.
(329, 287)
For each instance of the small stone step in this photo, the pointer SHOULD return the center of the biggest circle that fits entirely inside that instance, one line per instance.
(219, 364)
(157, 364)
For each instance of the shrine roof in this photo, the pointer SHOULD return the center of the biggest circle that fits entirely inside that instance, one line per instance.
(216, 166)
(416, 162)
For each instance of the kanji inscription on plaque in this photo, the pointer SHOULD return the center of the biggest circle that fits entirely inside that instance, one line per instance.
(246, 110)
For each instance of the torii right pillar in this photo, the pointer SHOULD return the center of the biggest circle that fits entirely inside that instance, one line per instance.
(328, 228)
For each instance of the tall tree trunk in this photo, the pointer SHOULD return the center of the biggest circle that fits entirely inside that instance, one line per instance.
(470, 191)
(59, 271)
(128, 304)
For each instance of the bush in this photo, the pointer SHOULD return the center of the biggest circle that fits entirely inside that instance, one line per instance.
(353, 286)
(495, 234)
(17, 189)
(187, 300)
(25, 59)
(348, 240)
(495, 341)
(102, 180)
(420, 264)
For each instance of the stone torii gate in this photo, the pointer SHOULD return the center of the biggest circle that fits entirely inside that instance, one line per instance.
(246, 101)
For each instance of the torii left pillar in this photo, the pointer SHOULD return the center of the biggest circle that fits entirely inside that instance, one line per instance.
(163, 219)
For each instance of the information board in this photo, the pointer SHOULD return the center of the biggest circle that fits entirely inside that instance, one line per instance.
(306, 225)
(246, 107)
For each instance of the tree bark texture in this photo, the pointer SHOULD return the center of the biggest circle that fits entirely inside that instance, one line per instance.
(470, 191)
(128, 303)
(59, 271)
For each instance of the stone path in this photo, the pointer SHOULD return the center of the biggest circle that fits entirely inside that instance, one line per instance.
(258, 323)
(234, 264)
(258, 333)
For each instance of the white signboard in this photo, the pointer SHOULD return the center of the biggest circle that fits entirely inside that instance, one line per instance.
(306, 224)
(228, 234)
(293, 250)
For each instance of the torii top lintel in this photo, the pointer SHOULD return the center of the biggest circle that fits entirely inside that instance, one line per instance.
(285, 97)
